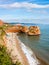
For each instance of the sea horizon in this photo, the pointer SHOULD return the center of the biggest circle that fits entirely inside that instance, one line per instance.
(38, 44)
(26, 21)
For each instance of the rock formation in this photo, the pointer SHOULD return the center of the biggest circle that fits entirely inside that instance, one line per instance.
(33, 30)
(18, 27)
(21, 28)
(1, 22)
(24, 29)
(12, 29)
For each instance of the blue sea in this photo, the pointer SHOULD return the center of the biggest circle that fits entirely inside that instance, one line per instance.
(38, 44)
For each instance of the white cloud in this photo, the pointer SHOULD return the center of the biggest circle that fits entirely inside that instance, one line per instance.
(23, 5)
(38, 11)
(6, 16)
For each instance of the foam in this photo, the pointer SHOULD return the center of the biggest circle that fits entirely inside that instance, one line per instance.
(30, 55)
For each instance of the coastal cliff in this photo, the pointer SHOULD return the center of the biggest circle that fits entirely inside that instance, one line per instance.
(18, 51)
(13, 44)
(1, 22)
(32, 30)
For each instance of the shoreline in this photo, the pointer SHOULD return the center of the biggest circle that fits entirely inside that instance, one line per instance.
(13, 47)
(32, 59)
(42, 62)
(39, 60)
(19, 50)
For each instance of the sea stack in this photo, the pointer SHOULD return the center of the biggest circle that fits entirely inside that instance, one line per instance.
(34, 30)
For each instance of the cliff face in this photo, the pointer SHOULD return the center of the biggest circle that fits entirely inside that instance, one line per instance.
(21, 28)
(33, 30)
(13, 44)
(1, 22)
(24, 29)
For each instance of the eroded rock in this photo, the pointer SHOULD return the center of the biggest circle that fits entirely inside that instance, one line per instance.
(34, 30)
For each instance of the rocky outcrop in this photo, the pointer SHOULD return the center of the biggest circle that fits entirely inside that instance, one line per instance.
(1, 22)
(24, 29)
(18, 27)
(21, 28)
(33, 30)
(12, 29)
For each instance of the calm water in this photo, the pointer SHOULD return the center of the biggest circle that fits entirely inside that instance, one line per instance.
(39, 44)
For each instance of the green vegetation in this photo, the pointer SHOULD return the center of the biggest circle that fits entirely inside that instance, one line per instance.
(4, 57)
(2, 31)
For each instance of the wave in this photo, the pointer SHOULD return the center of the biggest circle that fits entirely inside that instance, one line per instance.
(29, 54)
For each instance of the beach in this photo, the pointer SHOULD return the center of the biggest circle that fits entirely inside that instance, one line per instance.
(38, 44)
(18, 51)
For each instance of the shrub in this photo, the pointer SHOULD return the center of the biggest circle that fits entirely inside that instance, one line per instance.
(5, 58)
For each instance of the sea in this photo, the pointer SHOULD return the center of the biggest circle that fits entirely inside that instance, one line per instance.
(38, 44)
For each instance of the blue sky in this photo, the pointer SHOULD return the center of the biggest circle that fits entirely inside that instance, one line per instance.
(24, 10)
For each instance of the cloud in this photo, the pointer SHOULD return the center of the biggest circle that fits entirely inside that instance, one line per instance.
(23, 5)
(6, 16)
(39, 11)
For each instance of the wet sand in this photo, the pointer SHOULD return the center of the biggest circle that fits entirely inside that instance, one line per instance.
(24, 59)
(42, 62)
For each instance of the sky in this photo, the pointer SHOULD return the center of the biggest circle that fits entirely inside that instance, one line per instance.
(25, 10)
